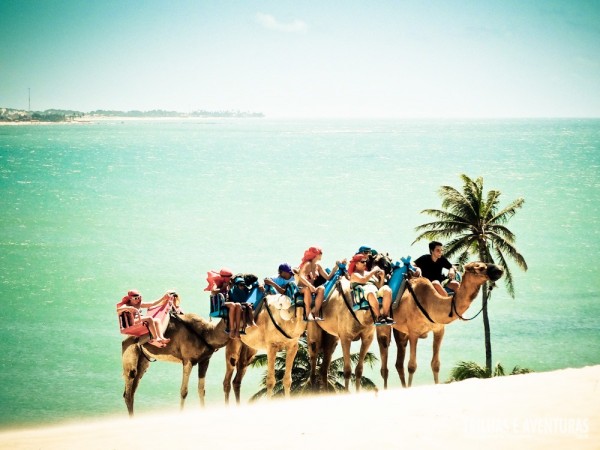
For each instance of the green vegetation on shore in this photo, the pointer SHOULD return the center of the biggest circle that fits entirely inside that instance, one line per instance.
(62, 115)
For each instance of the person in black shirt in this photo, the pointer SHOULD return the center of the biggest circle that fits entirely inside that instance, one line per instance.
(430, 266)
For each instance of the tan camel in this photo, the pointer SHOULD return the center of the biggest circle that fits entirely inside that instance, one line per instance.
(193, 341)
(339, 322)
(238, 357)
(412, 324)
(266, 336)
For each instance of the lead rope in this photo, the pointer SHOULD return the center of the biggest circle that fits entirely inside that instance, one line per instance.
(338, 285)
(410, 289)
(275, 323)
(453, 306)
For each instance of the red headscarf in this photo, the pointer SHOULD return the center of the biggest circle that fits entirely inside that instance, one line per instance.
(353, 261)
(125, 300)
(311, 254)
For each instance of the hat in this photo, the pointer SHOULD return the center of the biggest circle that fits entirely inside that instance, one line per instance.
(224, 272)
(364, 249)
(238, 280)
(133, 293)
(285, 267)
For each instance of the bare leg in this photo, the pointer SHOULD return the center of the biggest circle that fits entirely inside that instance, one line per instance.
(439, 288)
(307, 301)
(387, 301)
(374, 304)
(319, 301)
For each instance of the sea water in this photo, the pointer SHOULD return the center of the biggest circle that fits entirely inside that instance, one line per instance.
(89, 211)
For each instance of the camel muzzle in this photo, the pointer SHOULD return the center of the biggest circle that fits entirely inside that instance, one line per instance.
(494, 272)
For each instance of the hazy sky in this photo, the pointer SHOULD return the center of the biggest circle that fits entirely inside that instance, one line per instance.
(300, 58)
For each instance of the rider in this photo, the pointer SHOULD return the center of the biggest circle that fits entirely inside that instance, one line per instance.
(311, 276)
(372, 282)
(430, 266)
(281, 282)
(238, 295)
(133, 300)
(219, 293)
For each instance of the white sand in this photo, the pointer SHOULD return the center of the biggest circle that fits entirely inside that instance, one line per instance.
(556, 410)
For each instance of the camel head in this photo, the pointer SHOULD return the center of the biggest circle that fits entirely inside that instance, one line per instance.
(490, 272)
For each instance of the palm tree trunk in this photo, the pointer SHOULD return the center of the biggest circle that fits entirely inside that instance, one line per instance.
(486, 331)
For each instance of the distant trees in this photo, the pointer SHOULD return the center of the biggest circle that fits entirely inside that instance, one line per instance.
(61, 115)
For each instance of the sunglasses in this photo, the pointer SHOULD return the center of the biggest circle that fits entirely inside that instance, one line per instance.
(136, 297)
(364, 261)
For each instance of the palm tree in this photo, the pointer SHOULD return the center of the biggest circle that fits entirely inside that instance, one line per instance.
(470, 369)
(301, 373)
(474, 224)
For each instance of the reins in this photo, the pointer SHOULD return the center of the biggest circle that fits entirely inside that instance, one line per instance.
(453, 307)
(338, 285)
(190, 328)
(143, 352)
(281, 330)
(421, 308)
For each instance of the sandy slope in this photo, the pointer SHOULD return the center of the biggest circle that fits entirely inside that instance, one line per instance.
(542, 410)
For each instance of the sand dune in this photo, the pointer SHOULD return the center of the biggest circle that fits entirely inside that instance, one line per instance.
(541, 410)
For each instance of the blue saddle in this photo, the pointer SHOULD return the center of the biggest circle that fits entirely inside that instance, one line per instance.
(399, 271)
(254, 296)
(216, 306)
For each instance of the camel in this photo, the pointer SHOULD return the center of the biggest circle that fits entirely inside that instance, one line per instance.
(238, 357)
(278, 327)
(339, 322)
(412, 323)
(193, 341)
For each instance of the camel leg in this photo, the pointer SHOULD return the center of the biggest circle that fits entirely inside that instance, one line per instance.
(438, 336)
(347, 364)
(314, 336)
(328, 345)
(401, 341)
(232, 351)
(244, 360)
(187, 370)
(271, 355)
(202, 369)
(413, 339)
(134, 367)
(384, 338)
(365, 344)
(292, 349)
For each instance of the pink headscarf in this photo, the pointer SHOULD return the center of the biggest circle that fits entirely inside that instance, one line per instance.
(353, 261)
(311, 254)
(216, 279)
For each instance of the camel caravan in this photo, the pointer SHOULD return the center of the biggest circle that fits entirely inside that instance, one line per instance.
(366, 298)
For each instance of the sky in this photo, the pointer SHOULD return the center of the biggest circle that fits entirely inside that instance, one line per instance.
(305, 59)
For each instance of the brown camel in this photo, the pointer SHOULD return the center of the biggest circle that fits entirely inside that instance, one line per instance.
(278, 327)
(412, 324)
(193, 341)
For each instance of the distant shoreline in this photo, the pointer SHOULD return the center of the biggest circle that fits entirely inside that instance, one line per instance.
(96, 119)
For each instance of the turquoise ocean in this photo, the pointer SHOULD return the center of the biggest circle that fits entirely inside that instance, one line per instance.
(89, 211)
